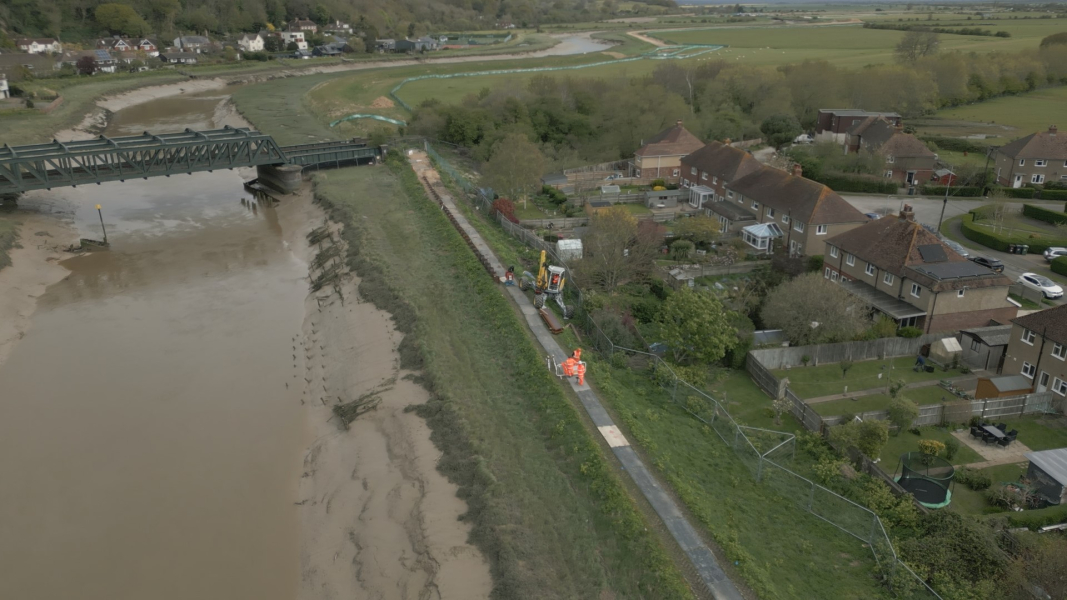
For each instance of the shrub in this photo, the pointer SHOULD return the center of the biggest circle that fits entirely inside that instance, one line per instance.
(658, 289)
(1018, 192)
(645, 311)
(659, 183)
(1044, 214)
(505, 207)
(1060, 265)
(909, 332)
(902, 412)
(1047, 194)
(931, 447)
(1001, 497)
(955, 144)
(845, 183)
(939, 191)
(1035, 519)
(952, 446)
(815, 263)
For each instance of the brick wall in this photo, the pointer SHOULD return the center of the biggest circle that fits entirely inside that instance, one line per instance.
(951, 322)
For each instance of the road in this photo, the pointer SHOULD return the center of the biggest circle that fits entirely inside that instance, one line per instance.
(928, 212)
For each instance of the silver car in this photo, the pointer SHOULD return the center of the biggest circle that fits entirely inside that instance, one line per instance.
(1040, 283)
(1055, 252)
(957, 248)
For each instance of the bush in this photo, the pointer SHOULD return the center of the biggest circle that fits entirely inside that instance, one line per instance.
(952, 446)
(1044, 214)
(931, 447)
(659, 183)
(815, 263)
(902, 412)
(1018, 192)
(939, 191)
(1001, 241)
(1060, 265)
(955, 144)
(505, 207)
(658, 289)
(909, 332)
(1048, 194)
(645, 311)
(1035, 519)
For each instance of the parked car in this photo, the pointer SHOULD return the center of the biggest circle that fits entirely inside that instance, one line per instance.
(872, 216)
(613, 177)
(1055, 252)
(990, 263)
(804, 138)
(957, 248)
(1040, 283)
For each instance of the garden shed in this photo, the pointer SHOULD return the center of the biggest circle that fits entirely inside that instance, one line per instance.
(1002, 386)
(662, 198)
(1048, 473)
(983, 347)
(945, 350)
(569, 249)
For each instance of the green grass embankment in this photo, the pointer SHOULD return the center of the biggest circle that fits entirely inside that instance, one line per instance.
(547, 510)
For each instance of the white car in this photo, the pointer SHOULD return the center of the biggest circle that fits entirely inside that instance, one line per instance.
(1040, 283)
(1053, 253)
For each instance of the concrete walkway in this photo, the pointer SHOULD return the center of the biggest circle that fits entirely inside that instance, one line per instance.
(994, 455)
(963, 382)
(702, 558)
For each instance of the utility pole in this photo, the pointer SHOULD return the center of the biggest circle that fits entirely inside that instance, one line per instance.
(101, 214)
(944, 203)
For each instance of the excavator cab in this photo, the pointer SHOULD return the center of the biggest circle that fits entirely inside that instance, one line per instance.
(548, 284)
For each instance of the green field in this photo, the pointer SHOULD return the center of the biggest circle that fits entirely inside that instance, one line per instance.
(547, 510)
(1003, 119)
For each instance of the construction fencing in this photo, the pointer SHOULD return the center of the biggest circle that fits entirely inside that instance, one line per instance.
(762, 451)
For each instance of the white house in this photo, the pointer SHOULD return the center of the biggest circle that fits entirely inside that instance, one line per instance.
(5, 91)
(39, 45)
(294, 36)
(251, 42)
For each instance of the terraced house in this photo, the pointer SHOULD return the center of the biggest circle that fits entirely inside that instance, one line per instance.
(706, 171)
(907, 160)
(1036, 159)
(799, 213)
(1037, 350)
(904, 272)
(661, 156)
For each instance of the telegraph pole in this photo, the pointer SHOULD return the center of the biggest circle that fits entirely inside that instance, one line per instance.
(944, 203)
(101, 214)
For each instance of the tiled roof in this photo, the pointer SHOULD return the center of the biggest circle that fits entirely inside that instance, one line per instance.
(880, 135)
(676, 141)
(722, 161)
(803, 199)
(1051, 322)
(1045, 144)
(896, 245)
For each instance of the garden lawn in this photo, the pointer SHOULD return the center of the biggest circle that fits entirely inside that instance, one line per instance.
(1044, 433)
(909, 442)
(826, 380)
(749, 405)
(922, 396)
(968, 501)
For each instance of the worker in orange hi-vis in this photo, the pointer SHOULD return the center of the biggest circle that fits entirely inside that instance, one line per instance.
(577, 354)
(568, 367)
(581, 373)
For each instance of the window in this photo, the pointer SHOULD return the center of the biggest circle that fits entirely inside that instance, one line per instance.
(1028, 337)
(916, 290)
(870, 269)
(889, 159)
(770, 212)
(1059, 351)
(692, 170)
(715, 180)
(1059, 386)
(799, 226)
(703, 176)
(976, 346)
(1040, 163)
(1022, 161)
(1037, 179)
(850, 260)
(826, 274)
(675, 174)
(1043, 380)
(888, 279)
(785, 219)
(833, 276)
(820, 230)
(959, 293)
(755, 205)
(1028, 370)
(833, 251)
(729, 194)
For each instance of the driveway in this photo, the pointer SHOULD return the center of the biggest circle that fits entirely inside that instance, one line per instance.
(928, 211)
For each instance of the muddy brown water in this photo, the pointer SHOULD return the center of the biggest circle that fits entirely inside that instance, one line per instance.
(149, 443)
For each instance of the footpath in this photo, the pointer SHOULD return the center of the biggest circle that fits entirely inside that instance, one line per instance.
(702, 558)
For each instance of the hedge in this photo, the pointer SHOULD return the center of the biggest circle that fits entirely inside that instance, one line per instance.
(939, 190)
(1001, 241)
(955, 144)
(873, 185)
(1044, 214)
(1018, 192)
(1047, 194)
(1042, 517)
(1059, 265)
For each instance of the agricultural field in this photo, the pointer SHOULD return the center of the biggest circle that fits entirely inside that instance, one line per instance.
(1000, 120)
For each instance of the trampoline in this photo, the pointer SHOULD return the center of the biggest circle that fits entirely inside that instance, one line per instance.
(927, 477)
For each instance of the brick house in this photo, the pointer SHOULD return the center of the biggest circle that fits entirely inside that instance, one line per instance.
(1037, 350)
(832, 124)
(807, 212)
(303, 25)
(706, 171)
(907, 273)
(39, 45)
(907, 160)
(1033, 160)
(121, 44)
(661, 156)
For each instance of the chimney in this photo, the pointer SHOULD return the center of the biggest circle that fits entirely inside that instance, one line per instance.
(798, 170)
(678, 122)
(907, 214)
(1052, 130)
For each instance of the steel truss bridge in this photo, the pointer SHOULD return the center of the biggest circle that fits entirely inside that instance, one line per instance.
(60, 164)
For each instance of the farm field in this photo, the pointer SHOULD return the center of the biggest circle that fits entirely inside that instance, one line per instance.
(1002, 119)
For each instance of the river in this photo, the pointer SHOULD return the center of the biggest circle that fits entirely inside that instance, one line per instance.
(150, 425)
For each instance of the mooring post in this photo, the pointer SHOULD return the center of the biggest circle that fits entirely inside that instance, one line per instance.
(100, 212)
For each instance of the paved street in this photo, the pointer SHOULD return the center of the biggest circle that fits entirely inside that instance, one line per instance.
(928, 211)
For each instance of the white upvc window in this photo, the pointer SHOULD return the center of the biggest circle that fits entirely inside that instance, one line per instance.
(785, 219)
(1022, 162)
(770, 212)
(820, 230)
(826, 273)
(1059, 351)
(850, 260)
(692, 170)
(1029, 370)
(833, 276)
(888, 278)
(833, 251)
(959, 293)
(1037, 179)
(703, 176)
(755, 205)
(675, 173)
(1059, 386)
(1028, 337)
(870, 269)
(729, 194)
(916, 290)
(1040, 163)
(799, 226)
(715, 180)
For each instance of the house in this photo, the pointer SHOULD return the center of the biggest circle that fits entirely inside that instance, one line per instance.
(192, 43)
(333, 49)
(808, 212)
(338, 27)
(303, 25)
(706, 171)
(423, 44)
(832, 124)
(943, 177)
(1033, 160)
(1037, 350)
(732, 218)
(178, 58)
(39, 45)
(984, 347)
(291, 37)
(105, 62)
(1003, 386)
(5, 90)
(147, 46)
(906, 273)
(1048, 473)
(115, 44)
(250, 42)
(662, 198)
(15, 64)
(762, 236)
(661, 156)
(385, 45)
(907, 160)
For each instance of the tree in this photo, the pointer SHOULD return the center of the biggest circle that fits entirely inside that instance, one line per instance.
(915, 45)
(86, 65)
(779, 130)
(272, 44)
(292, 47)
(515, 168)
(701, 230)
(902, 413)
(1042, 561)
(120, 18)
(811, 310)
(867, 436)
(681, 249)
(696, 327)
(617, 249)
(845, 366)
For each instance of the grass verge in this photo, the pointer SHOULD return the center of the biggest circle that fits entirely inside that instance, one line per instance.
(546, 509)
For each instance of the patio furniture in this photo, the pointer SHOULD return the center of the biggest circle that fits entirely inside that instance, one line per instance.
(1003, 427)
(1004, 441)
(996, 432)
(989, 438)
(977, 433)
(1013, 433)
